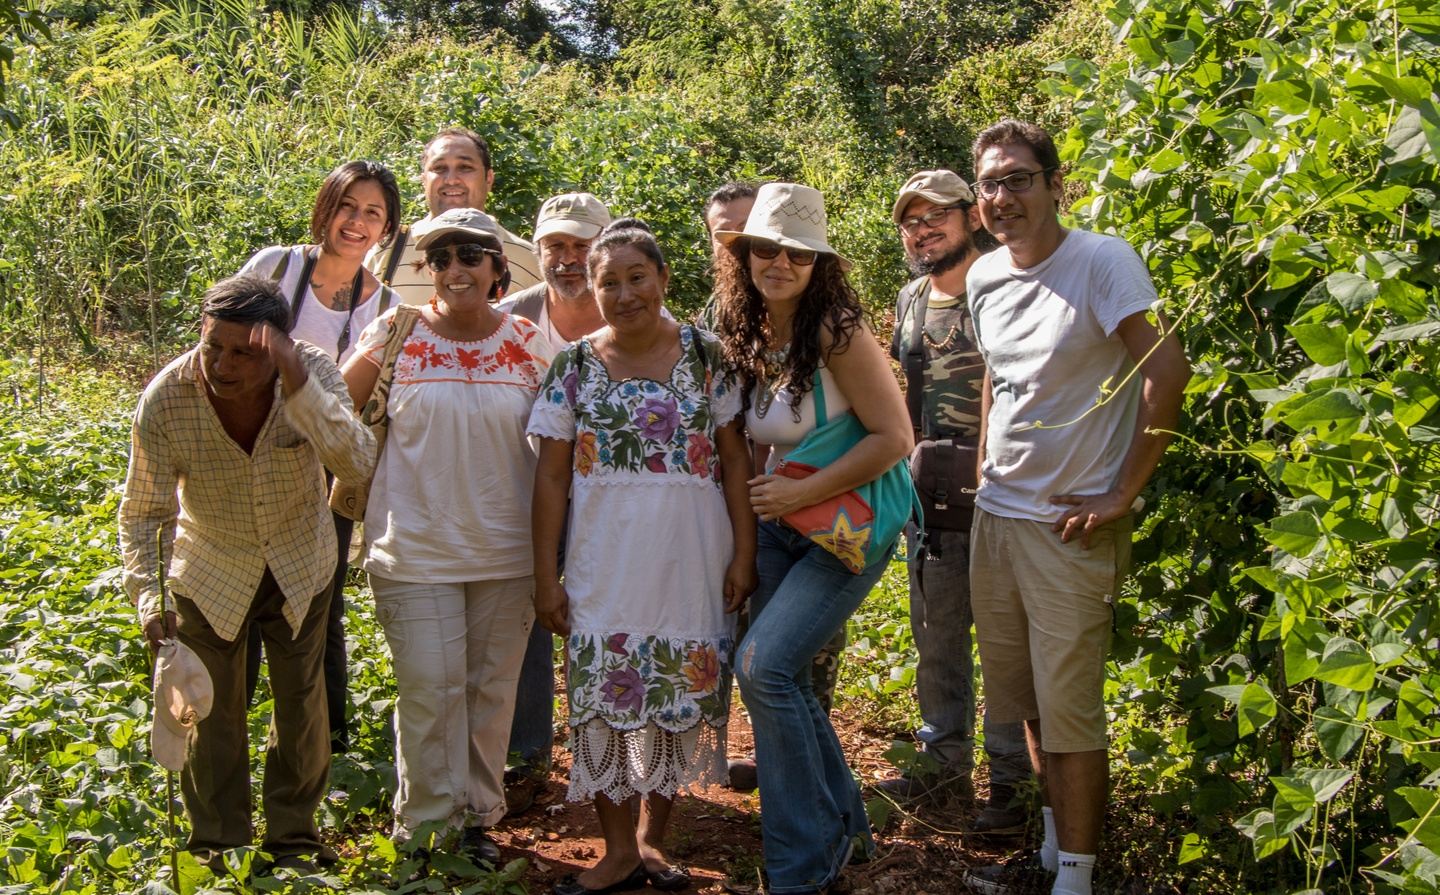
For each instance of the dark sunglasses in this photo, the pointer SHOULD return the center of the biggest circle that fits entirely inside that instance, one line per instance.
(469, 254)
(771, 250)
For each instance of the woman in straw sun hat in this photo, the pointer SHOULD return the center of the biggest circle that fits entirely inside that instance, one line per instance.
(791, 325)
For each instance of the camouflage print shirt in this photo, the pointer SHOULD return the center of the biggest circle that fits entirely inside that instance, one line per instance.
(954, 369)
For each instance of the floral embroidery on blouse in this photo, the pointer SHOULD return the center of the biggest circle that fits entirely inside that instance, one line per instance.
(629, 680)
(429, 356)
(641, 425)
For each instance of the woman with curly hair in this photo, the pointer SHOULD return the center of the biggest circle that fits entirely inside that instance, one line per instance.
(795, 335)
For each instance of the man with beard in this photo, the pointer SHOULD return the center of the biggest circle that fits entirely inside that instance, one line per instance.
(562, 305)
(564, 309)
(455, 171)
(934, 340)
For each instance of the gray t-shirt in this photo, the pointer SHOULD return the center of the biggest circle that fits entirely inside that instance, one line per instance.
(1048, 336)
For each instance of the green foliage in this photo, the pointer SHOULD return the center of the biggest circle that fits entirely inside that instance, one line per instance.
(1277, 164)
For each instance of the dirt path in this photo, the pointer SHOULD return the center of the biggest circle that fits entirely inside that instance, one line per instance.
(716, 832)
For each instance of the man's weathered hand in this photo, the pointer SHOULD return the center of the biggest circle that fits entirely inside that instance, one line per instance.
(158, 629)
(1087, 513)
(268, 339)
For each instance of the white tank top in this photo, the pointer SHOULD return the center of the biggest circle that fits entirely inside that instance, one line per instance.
(777, 426)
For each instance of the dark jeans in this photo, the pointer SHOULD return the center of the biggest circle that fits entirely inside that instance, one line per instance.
(337, 675)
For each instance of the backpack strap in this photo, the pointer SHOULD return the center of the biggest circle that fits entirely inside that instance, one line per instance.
(297, 301)
(392, 263)
(914, 358)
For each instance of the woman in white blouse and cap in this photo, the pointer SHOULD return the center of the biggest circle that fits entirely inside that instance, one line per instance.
(447, 528)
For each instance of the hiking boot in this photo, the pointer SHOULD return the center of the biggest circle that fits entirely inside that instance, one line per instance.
(521, 788)
(910, 788)
(1017, 876)
(1003, 814)
(478, 847)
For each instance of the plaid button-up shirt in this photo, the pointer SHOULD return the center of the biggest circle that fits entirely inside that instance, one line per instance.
(226, 514)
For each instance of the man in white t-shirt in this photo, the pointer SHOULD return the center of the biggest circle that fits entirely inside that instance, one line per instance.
(456, 173)
(1082, 390)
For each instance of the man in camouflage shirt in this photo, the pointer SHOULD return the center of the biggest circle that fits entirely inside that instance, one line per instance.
(938, 224)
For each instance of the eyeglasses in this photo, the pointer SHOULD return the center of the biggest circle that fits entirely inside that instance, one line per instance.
(469, 254)
(771, 250)
(1018, 182)
(932, 218)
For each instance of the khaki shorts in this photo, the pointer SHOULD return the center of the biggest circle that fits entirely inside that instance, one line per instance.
(1043, 615)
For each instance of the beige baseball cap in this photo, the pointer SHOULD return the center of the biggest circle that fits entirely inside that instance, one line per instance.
(184, 695)
(470, 221)
(578, 214)
(791, 214)
(939, 186)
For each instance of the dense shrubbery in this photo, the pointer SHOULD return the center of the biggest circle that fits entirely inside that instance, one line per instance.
(1277, 166)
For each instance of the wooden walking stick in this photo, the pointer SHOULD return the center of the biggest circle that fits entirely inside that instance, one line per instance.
(169, 774)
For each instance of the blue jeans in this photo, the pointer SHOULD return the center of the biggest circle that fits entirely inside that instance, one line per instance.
(941, 619)
(533, 730)
(811, 810)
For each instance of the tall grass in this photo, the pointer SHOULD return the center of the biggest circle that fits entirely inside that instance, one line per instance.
(163, 145)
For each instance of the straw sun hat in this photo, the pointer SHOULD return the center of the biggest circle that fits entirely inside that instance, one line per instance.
(791, 214)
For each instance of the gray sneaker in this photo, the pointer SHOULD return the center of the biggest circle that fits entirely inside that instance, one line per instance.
(1017, 876)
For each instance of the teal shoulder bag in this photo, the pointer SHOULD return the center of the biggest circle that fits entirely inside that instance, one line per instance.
(860, 526)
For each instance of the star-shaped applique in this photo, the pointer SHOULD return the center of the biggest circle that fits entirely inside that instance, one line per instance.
(847, 543)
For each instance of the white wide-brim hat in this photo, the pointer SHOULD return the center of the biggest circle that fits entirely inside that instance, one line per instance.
(184, 695)
(791, 214)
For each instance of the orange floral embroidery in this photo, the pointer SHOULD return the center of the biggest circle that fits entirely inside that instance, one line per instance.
(586, 453)
(703, 669)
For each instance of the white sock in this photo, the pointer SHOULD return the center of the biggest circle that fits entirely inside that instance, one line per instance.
(1051, 846)
(1074, 876)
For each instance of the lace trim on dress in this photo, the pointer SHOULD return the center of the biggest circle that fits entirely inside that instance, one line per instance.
(622, 763)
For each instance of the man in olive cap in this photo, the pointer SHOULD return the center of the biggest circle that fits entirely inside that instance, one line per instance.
(934, 341)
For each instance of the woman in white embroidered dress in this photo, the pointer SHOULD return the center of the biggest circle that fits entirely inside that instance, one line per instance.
(635, 422)
(447, 535)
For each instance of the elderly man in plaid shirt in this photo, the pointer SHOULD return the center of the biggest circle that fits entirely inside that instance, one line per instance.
(227, 460)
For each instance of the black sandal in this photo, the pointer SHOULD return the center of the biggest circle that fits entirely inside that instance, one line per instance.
(571, 884)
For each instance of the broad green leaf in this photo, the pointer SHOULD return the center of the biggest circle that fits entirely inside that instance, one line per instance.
(1303, 646)
(1257, 708)
(1352, 291)
(1335, 414)
(1192, 848)
(1296, 533)
(1324, 343)
(1425, 827)
(1259, 825)
(1407, 140)
(1337, 732)
(1294, 792)
(1324, 782)
(1347, 664)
